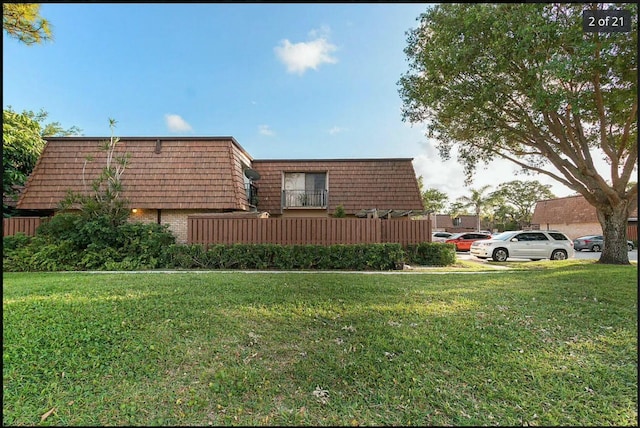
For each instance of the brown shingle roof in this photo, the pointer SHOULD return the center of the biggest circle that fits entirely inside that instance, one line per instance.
(568, 210)
(355, 184)
(188, 173)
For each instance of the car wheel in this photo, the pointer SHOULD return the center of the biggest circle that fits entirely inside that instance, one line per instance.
(596, 248)
(500, 255)
(630, 246)
(559, 255)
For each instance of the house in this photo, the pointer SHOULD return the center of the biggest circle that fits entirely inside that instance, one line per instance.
(455, 224)
(169, 179)
(317, 187)
(574, 216)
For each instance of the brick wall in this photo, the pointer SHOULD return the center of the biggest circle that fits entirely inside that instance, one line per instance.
(176, 219)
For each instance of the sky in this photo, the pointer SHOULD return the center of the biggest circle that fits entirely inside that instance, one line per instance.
(287, 81)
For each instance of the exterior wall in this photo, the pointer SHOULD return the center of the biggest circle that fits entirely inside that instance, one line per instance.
(144, 216)
(176, 219)
(574, 230)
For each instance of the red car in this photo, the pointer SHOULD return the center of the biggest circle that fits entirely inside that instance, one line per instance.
(463, 241)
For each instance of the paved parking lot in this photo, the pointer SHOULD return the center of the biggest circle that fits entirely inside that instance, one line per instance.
(583, 255)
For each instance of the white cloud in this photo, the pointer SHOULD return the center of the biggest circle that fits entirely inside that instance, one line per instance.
(336, 130)
(175, 123)
(298, 57)
(448, 176)
(266, 130)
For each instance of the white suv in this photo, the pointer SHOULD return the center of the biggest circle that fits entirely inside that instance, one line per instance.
(533, 244)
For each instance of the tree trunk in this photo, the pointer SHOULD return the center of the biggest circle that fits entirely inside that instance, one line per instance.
(613, 220)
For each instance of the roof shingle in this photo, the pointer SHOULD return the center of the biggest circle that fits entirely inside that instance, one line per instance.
(568, 210)
(188, 173)
(356, 184)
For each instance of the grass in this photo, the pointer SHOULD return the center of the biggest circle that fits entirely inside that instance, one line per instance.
(554, 345)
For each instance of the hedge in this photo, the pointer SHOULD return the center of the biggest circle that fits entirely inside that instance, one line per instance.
(286, 257)
(70, 243)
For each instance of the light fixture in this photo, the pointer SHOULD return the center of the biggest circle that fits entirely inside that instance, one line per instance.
(135, 210)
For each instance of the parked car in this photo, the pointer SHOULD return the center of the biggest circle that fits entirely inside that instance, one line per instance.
(534, 245)
(440, 236)
(593, 243)
(463, 241)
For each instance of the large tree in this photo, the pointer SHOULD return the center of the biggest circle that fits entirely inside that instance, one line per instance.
(22, 21)
(22, 142)
(524, 82)
(433, 200)
(523, 196)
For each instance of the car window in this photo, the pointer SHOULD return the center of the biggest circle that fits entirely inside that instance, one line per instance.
(537, 236)
(522, 237)
(558, 236)
(504, 236)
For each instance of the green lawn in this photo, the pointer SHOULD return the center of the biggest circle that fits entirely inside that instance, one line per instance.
(554, 345)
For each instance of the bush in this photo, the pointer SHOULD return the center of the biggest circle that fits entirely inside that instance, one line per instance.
(14, 242)
(431, 254)
(286, 257)
(72, 242)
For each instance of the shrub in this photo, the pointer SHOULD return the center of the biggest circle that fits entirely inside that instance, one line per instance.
(286, 257)
(431, 254)
(14, 242)
(73, 242)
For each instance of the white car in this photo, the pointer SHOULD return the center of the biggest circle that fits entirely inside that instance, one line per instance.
(533, 244)
(440, 236)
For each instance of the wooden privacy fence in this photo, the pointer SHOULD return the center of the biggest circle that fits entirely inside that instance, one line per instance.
(305, 231)
(26, 225)
(632, 231)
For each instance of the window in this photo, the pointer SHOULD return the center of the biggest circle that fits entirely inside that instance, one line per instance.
(457, 221)
(532, 236)
(558, 236)
(304, 189)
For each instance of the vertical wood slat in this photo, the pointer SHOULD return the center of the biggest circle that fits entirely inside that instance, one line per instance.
(26, 225)
(306, 230)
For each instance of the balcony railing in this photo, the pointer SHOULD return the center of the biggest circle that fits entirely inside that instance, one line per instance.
(304, 199)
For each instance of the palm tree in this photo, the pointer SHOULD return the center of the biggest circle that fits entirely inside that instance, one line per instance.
(477, 200)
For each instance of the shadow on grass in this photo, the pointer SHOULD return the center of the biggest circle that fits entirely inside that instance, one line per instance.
(554, 346)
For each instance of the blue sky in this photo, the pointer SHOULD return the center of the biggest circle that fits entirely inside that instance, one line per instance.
(301, 81)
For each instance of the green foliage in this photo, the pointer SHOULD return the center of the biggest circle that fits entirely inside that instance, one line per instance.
(286, 257)
(22, 144)
(22, 21)
(13, 242)
(524, 82)
(433, 200)
(522, 196)
(431, 254)
(21, 147)
(72, 242)
(104, 199)
(478, 201)
(339, 212)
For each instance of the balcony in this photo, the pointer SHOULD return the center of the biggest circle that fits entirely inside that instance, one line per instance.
(304, 199)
